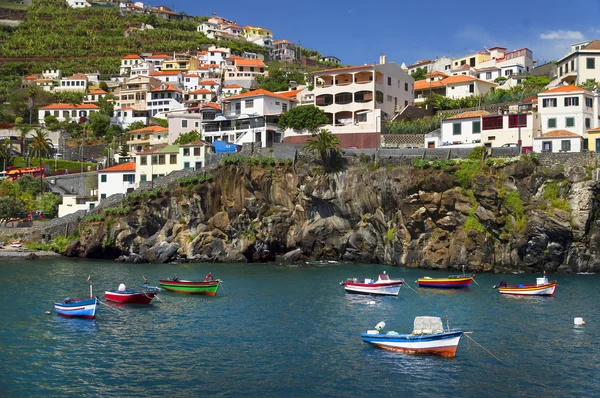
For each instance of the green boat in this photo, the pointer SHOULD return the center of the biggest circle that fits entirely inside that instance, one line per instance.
(208, 287)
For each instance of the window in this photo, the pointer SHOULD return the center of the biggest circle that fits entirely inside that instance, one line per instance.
(565, 145)
(589, 102)
(456, 129)
(379, 96)
(572, 65)
(572, 101)
(472, 61)
(249, 103)
(570, 122)
(492, 122)
(477, 127)
(284, 107)
(186, 165)
(389, 81)
(389, 98)
(183, 123)
(161, 159)
(102, 177)
(471, 88)
(488, 75)
(492, 137)
(405, 102)
(196, 151)
(173, 159)
(590, 63)
(143, 160)
(129, 178)
(102, 196)
(143, 178)
(508, 72)
(588, 122)
(154, 159)
(552, 123)
(517, 121)
(186, 151)
(546, 146)
(549, 103)
(405, 86)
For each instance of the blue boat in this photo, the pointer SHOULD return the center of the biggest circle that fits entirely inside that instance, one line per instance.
(78, 308)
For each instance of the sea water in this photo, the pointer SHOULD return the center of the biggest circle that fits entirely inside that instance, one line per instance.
(287, 331)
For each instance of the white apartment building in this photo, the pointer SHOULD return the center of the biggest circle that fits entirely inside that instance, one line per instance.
(124, 117)
(464, 86)
(77, 82)
(232, 89)
(214, 56)
(580, 65)
(117, 179)
(127, 62)
(171, 77)
(569, 108)
(357, 99)
(441, 64)
(73, 203)
(133, 92)
(164, 99)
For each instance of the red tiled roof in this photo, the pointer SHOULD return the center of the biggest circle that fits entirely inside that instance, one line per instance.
(258, 93)
(132, 56)
(565, 89)
(165, 73)
(212, 105)
(208, 82)
(166, 87)
(159, 56)
(76, 76)
(436, 73)
(558, 133)
(290, 94)
(469, 115)
(130, 166)
(150, 129)
(70, 106)
(97, 92)
(463, 79)
(247, 62)
(200, 91)
(196, 143)
(233, 86)
(425, 85)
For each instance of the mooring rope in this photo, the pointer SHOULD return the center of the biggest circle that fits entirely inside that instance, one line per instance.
(485, 349)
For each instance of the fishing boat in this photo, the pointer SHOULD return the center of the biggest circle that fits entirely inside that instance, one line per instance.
(541, 288)
(16, 244)
(382, 286)
(78, 308)
(130, 296)
(208, 287)
(451, 282)
(428, 337)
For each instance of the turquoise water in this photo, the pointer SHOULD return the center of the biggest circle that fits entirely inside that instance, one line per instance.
(287, 331)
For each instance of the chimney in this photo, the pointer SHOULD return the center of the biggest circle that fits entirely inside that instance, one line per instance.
(382, 59)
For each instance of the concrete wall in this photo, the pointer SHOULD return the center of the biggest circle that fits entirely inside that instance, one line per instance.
(78, 184)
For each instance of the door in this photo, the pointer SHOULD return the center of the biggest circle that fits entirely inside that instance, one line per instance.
(597, 144)
(431, 144)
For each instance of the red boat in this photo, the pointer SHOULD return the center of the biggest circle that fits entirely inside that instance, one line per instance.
(128, 296)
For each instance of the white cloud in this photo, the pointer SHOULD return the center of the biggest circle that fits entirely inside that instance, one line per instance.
(562, 35)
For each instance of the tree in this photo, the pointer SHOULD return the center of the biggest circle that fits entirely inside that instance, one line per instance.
(24, 130)
(10, 208)
(161, 122)
(103, 86)
(419, 74)
(5, 158)
(41, 145)
(326, 144)
(136, 126)
(99, 124)
(279, 79)
(589, 85)
(188, 137)
(124, 152)
(49, 202)
(307, 117)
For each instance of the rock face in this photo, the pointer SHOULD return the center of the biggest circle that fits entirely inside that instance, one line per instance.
(515, 217)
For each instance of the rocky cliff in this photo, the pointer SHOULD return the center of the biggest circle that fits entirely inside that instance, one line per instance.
(490, 216)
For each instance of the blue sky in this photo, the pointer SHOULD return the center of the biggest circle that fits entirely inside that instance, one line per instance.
(357, 32)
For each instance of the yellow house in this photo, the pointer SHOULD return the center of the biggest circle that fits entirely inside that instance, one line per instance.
(254, 31)
(180, 63)
(594, 139)
(472, 59)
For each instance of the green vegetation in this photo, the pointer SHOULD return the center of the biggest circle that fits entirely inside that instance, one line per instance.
(188, 137)
(258, 161)
(472, 223)
(552, 193)
(467, 171)
(194, 179)
(419, 74)
(19, 196)
(279, 79)
(417, 126)
(57, 245)
(307, 117)
(326, 144)
(61, 165)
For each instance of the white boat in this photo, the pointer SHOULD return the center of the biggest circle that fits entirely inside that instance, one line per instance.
(541, 288)
(382, 286)
(428, 337)
(16, 244)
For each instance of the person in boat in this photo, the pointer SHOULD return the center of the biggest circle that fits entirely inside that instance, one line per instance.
(122, 287)
(502, 284)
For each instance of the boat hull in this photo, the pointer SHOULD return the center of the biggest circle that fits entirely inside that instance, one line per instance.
(190, 287)
(546, 289)
(446, 283)
(83, 308)
(129, 297)
(443, 344)
(391, 288)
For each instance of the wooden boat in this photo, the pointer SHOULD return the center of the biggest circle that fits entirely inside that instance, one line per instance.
(541, 288)
(130, 296)
(451, 282)
(78, 308)
(16, 244)
(428, 337)
(382, 286)
(208, 287)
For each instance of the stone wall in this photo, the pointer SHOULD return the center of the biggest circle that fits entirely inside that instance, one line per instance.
(569, 160)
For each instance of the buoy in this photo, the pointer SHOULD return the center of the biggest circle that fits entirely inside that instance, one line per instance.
(371, 302)
(47, 312)
(579, 322)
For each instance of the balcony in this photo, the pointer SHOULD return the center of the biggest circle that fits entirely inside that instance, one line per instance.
(324, 100)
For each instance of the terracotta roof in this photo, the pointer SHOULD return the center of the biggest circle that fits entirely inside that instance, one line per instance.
(463, 67)
(425, 85)
(596, 130)
(367, 66)
(97, 92)
(436, 73)
(132, 56)
(594, 45)
(201, 91)
(202, 52)
(464, 79)
(70, 106)
(247, 62)
(257, 93)
(196, 143)
(77, 76)
(469, 115)
(30, 77)
(130, 166)
(158, 56)
(233, 86)
(212, 105)
(208, 82)
(166, 73)
(281, 41)
(166, 87)
(289, 94)
(427, 61)
(234, 26)
(565, 89)
(150, 129)
(558, 133)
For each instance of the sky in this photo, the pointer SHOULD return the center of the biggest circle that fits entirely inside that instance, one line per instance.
(358, 32)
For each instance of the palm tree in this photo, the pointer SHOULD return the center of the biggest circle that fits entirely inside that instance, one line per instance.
(323, 142)
(24, 129)
(41, 145)
(5, 157)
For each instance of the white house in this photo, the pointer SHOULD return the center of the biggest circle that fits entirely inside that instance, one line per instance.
(193, 155)
(156, 162)
(568, 108)
(64, 112)
(54, 74)
(147, 137)
(242, 71)
(464, 128)
(461, 86)
(95, 96)
(78, 4)
(164, 99)
(558, 141)
(171, 77)
(580, 65)
(124, 117)
(77, 82)
(145, 68)
(157, 60)
(73, 203)
(127, 62)
(232, 89)
(116, 179)
(208, 29)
